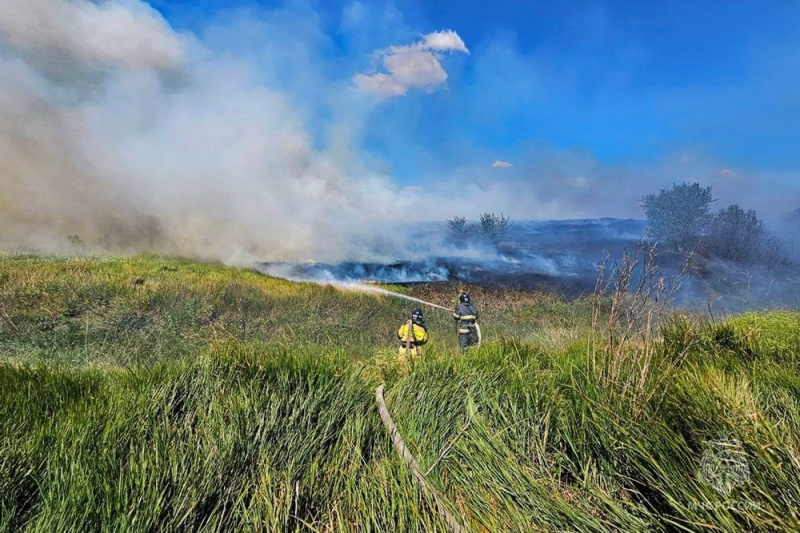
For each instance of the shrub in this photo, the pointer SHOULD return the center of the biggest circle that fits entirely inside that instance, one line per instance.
(458, 227)
(739, 235)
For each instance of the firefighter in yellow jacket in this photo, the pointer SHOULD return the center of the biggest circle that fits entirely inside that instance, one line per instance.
(412, 335)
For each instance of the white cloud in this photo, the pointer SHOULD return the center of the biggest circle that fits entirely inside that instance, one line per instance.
(501, 164)
(415, 66)
(382, 84)
(446, 40)
(728, 172)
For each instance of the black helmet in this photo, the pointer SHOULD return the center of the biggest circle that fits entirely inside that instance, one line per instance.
(463, 298)
(416, 316)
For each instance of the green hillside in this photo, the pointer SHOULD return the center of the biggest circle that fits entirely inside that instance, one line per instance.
(144, 394)
(143, 310)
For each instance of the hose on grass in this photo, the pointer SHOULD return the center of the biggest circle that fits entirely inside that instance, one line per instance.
(405, 454)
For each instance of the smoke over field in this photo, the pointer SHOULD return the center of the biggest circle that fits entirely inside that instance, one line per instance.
(532, 253)
(558, 256)
(124, 134)
(248, 138)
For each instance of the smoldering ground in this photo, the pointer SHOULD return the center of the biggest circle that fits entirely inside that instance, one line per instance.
(566, 257)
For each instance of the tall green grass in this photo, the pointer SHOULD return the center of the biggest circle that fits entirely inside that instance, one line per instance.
(248, 436)
(243, 437)
(239, 432)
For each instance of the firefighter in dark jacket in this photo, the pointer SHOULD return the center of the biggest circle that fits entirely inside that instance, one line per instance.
(466, 316)
(412, 335)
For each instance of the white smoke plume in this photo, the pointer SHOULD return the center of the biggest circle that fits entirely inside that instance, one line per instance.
(118, 129)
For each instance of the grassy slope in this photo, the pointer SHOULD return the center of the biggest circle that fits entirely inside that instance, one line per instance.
(255, 410)
(145, 309)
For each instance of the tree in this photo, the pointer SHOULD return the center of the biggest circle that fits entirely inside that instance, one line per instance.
(678, 216)
(789, 228)
(737, 235)
(792, 218)
(493, 227)
(458, 227)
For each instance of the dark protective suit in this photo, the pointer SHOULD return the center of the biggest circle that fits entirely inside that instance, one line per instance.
(466, 316)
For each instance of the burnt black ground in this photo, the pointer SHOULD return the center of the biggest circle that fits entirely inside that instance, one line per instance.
(560, 257)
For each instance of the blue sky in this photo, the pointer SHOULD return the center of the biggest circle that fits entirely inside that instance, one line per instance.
(613, 87)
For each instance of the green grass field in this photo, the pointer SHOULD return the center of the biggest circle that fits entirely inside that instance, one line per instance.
(147, 394)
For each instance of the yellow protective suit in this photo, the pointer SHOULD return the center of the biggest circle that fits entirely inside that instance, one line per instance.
(413, 334)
